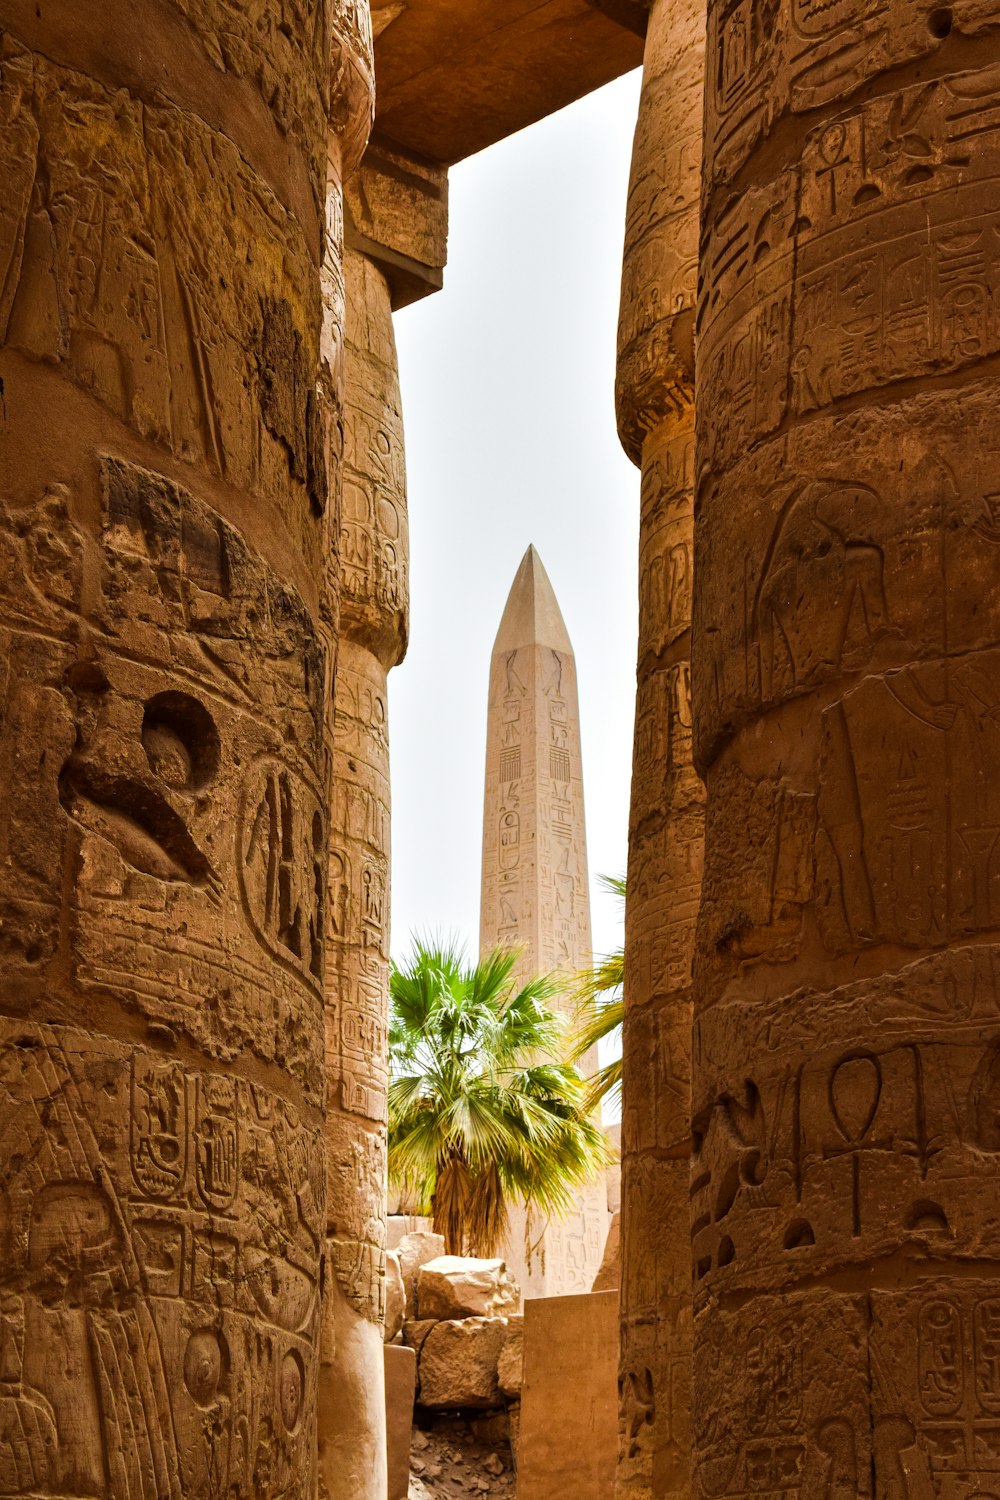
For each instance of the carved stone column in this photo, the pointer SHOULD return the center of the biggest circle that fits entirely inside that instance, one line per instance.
(847, 692)
(163, 475)
(655, 400)
(373, 624)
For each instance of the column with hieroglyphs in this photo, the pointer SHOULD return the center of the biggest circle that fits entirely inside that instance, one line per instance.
(166, 406)
(535, 893)
(846, 671)
(655, 404)
(373, 558)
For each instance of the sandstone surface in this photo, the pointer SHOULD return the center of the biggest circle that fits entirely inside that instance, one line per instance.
(415, 1330)
(400, 1388)
(608, 1278)
(457, 1286)
(510, 1366)
(845, 675)
(415, 1249)
(395, 1297)
(568, 1433)
(458, 1363)
(655, 400)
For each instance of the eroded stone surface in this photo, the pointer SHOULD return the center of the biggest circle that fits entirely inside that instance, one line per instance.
(844, 1228)
(457, 1364)
(167, 401)
(655, 404)
(372, 555)
(462, 1286)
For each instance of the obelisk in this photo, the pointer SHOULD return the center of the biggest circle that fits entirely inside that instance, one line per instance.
(535, 894)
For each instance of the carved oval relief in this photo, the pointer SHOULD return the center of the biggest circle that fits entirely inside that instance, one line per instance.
(281, 856)
(204, 1365)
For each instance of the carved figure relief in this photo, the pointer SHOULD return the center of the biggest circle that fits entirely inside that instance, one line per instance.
(148, 1285)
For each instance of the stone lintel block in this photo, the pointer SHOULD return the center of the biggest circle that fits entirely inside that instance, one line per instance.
(396, 213)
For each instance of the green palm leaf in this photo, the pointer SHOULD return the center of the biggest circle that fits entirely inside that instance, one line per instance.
(484, 1109)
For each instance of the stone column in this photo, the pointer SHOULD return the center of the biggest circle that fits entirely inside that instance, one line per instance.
(847, 692)
(373, 557)
(655, 401)
(163, 476)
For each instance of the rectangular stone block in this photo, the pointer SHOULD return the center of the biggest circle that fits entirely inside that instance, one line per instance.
(568, 1440)
(400, 1384)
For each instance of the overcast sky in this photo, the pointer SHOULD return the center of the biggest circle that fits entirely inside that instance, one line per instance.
(508, 403)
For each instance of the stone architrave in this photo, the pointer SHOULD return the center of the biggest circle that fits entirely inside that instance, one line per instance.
(373, 556)
(655, 403)
(535, 894)
(846, 1061)
(164, 413)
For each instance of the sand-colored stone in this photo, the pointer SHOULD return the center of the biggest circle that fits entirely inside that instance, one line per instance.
(415, 1250)
(372, 552)
(458, 1363)
(166, 405)
(454, 77)
(399, 1227)
(609, 1275)
(535, 894)
(655, 404)
(510, 1365)
(846, 677)
(568, 1431)
(395, 1297)
(400, 1386)
(415, 1330)
(464, 1286)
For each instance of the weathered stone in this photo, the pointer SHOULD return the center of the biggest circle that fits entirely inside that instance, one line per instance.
(510, 1366)
(458, 1363)
(400, 1387)
(398, 1226)
(396, 213)
(535, 892)
(166, 404)
(655, 404)
(415, 1250)
(846, 673)
(371, 550)
(395, 1297)
(609, 1277)
(568, 1431)
(415, 1330)
(462, 1286)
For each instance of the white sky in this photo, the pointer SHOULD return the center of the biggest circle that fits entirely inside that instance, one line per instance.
(508, 403)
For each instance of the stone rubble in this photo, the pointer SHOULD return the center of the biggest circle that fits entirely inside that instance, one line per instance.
(459, 1457)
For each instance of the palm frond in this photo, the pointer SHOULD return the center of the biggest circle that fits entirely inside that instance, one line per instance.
(484, 1108)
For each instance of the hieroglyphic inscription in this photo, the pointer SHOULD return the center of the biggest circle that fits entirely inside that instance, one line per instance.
(845, 689)
(654, 401)
(120, 216)
(198, 890)
(160, 1275)
(534, 891)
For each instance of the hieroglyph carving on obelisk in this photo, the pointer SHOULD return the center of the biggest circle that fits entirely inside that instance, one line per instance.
(846, 666)
(535, 893)
(166, 403)
(655, 403)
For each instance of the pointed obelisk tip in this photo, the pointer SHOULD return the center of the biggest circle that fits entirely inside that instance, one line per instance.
(532, 616)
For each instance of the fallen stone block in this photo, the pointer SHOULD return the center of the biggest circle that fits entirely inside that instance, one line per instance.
(458, 1363)
(462, 1286)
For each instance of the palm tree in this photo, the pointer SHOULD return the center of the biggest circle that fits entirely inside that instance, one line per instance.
(601, 1011)
(483, 1110)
